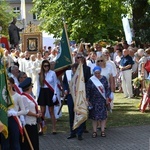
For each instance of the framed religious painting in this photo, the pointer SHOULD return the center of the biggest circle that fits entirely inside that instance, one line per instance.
(31, 40)
(32, 44)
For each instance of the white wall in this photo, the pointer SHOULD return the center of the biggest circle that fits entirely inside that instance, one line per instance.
(48, 40)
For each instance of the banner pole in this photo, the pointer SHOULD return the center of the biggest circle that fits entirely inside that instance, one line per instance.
(28, 138)
(61, 105)
(67, 40)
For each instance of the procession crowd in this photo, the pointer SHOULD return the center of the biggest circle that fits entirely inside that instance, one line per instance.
(37, 91)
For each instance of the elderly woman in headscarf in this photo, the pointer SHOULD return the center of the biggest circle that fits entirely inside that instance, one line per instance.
(97, 93)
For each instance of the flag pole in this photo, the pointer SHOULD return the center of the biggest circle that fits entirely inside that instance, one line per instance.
(29, 141)
(61, 105)
(65, 28)
(64, 57)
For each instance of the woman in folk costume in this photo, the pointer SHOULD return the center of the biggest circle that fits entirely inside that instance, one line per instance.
(97, 93)
(47, 92)
(14, 124)
(31, 116)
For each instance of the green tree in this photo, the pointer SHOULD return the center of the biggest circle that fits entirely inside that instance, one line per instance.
(91, 20)
(110, 26)
(141, 20)
(5, 16)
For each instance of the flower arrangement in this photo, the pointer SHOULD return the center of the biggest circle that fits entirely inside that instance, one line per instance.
(137, 82)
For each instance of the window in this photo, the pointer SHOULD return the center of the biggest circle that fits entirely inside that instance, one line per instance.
(16, 10)
(35, 16)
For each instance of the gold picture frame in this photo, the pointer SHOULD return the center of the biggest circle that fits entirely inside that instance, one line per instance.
(32, 42)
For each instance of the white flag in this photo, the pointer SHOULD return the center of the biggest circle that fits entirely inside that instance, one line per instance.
(127, 30)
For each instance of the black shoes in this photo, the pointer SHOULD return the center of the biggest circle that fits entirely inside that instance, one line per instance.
(74, 136)
(71, 137)
(80, 138)
(54, 133)
(40, 133)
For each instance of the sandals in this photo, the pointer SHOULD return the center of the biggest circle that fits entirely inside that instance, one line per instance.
(103, 134)
(94, 135)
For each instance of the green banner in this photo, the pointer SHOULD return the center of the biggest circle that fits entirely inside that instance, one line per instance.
(64, 58)
(5, 99)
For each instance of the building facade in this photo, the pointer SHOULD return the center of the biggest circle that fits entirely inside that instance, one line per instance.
(29, 16)
(46, 40)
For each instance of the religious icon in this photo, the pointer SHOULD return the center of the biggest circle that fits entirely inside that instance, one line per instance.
(32, 44)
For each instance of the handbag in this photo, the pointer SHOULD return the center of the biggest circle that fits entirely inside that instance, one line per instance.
(147, 66)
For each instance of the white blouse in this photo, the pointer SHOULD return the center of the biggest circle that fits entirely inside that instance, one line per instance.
(51, 78)
(18, 104)
(29, 106)
(106, 72)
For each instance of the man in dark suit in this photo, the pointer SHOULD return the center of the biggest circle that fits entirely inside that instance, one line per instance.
(87, 74)
(67, 78)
